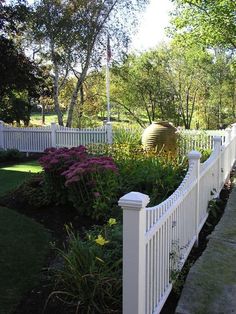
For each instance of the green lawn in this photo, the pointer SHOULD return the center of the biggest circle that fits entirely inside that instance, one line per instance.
(23, 242)
(36, 118)
(23, 247)
(12, 176)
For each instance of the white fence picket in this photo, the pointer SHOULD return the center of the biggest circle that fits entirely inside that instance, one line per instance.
(38, 139)
(167, 232)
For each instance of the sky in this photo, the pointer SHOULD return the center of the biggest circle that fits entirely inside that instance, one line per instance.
(152, 28)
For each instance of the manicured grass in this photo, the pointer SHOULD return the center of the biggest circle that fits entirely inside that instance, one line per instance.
(12, 176)
(36, 118)
(23, 247)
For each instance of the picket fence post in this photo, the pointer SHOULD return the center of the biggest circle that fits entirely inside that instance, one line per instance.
(134, 224)
(234, 138)
(1, 135)
(217, 147)
(53, 134)
(194, 159)
(109, 132)
(227, 135)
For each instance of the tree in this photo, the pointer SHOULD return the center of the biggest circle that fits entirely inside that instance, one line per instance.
(142, 85)
(72, 36)
(211, 22)
(188, 72)
(19, 80)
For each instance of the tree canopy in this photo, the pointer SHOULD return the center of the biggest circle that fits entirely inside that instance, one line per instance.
(211, 22)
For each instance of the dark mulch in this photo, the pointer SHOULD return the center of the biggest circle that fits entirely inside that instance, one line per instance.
(54, 218)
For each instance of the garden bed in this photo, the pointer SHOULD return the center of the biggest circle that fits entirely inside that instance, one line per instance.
(54, 218)
(28, 199)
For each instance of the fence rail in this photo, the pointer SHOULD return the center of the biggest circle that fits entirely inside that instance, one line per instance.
(157, 240)
(38, 139)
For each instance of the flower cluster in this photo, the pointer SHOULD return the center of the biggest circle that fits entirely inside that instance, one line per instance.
(89, 182)
(93, 165)
(58, 160)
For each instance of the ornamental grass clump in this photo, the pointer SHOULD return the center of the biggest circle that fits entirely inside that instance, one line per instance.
(93, 186)
(90, 278)
(55, 162)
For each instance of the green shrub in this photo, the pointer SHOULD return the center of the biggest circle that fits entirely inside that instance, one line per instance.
(93, 186)
(91, 273)
(157, 176)
(55, 162)
(10, 155)
(130, 136)
(31, 192)
(89, 182)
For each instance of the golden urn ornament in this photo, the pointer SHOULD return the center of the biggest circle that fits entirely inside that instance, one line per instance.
(161, 136)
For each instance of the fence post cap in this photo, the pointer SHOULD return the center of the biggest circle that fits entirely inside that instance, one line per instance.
(134, 201)
(217, 138)
(194, 155)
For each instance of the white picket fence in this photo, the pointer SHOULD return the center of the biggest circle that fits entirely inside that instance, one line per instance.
(198, 139)
(157, 240)
(38, 139)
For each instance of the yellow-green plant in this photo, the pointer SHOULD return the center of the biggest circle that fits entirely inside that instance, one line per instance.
(91, 274)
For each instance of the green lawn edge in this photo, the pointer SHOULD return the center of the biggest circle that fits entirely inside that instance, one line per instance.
(24, 245)
(12, 176)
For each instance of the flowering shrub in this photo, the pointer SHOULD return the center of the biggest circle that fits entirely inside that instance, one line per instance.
(91, 275)
(93, 185)
(89, 182)
(54, 162)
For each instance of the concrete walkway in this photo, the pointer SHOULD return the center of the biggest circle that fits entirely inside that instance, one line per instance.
(210, 287)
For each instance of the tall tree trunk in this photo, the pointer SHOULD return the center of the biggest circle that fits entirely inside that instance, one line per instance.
(72, 104)
(79, 83)
(43, 114)
(81, 106)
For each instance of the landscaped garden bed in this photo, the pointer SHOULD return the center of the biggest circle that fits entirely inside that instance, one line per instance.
(75, 199)
(83, 268)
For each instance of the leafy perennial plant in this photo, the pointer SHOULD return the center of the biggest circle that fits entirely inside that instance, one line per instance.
(91, 276)
(90, 183)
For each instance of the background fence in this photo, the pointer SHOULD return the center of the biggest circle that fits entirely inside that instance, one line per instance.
(157, 240)
(38, 139)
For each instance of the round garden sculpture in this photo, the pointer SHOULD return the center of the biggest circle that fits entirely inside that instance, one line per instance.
(161, 136)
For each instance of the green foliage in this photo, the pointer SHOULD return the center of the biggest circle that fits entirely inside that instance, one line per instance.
(90, 277)
(10, 155)
(128, 136)
(157, 176)
(210, 22)
(15, 107)
(90, 183)
(95, 194)
(32, 192)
